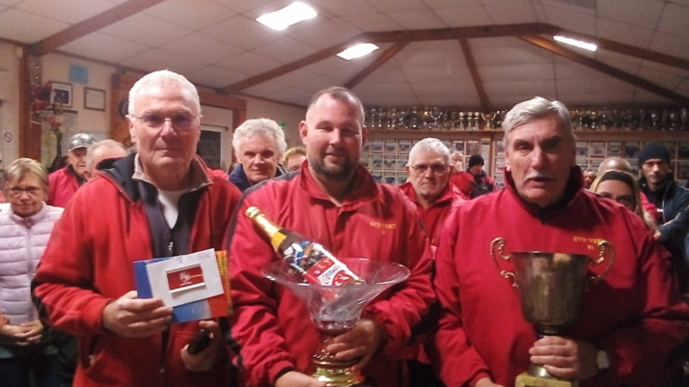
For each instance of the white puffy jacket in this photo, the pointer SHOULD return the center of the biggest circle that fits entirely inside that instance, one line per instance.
(22, 242)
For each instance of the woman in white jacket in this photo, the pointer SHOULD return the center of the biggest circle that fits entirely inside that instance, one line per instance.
(25, 226)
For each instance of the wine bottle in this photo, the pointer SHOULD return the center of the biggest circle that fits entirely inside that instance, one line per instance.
(308, 260)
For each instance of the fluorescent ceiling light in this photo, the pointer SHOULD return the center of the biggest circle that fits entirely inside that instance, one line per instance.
(576, 43)
(357, 51)
(291, 14)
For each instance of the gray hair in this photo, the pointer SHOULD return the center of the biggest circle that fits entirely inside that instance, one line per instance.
(429, 144)
(259, 127)
(109, 143)
(161, 78)
(457, 155)
(536, 108)
(339, 93)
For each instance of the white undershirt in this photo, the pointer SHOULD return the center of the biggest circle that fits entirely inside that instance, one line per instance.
(169, 202)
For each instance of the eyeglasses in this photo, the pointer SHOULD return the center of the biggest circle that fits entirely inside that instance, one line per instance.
(437, 169)
(16, 192)
(182, 120)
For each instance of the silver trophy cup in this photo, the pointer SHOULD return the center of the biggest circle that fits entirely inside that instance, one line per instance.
(550, 287)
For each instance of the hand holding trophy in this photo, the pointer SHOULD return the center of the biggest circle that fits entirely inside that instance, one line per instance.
(334, 290)
(551, 285)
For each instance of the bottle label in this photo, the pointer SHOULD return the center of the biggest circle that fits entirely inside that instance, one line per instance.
(319, 266)
(329, 272)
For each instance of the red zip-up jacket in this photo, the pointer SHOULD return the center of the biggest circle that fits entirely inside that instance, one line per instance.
(64, 183)
(376, 221)
(434, 216)
(634, 313)
(89, 263)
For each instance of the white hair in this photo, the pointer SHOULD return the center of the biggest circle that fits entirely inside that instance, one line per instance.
(260, 127)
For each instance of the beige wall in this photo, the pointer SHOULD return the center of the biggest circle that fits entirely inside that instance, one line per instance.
(55, 67)
(289, 115)
(9, 97)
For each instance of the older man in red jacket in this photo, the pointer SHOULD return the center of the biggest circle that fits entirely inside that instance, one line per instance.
(159, 202)
(65, 182)
(629, 321)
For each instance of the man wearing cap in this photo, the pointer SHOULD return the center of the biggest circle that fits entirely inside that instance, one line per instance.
(483, 183)
(671, 201)
(65, 182)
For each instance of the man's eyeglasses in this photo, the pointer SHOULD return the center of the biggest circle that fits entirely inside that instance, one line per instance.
(31, 191)
(437, 169)
(182, 120)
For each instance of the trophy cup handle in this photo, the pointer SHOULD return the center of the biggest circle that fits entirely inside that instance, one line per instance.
(603, 247)
(500, 243)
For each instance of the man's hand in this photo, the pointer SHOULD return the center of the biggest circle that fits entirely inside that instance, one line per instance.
(131, 317)
(297, 379)
(26, 333)
(565, 358)
(360, 342)
(486, 382)
(204, 360)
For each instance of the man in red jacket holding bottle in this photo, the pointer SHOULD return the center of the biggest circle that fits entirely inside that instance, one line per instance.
(334, 201)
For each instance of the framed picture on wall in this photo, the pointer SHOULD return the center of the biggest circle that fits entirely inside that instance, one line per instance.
(61, 93)
(94, 99)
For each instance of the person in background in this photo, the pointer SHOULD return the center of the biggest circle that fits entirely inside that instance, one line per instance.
(293, 158)
(589, 177)
(620, 164)
(428, 185)
(65, 181)
(334, 201)
(159, 202)
(258, 145)
(429, 188)
(99, 151)
(483, 183)
(672, 202)
(621, 187)
(629, 322)
(459, 177)
(27, 351)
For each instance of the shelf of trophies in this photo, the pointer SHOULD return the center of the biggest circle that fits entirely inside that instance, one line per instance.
(439, 120)
(600, 132)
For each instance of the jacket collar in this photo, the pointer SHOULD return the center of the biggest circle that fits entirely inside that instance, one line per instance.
(124, 174)
(364, 188)
(29, 221)
(447, 196)
(574, 187)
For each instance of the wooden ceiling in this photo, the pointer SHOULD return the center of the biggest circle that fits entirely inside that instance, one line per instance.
(634, 72)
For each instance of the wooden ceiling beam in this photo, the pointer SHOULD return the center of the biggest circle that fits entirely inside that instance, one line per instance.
(88, 26)
(626, 49)
(284, 69)
(394, 37)
(475, 75)
(637, 81)
(379, 61)
(490, 31)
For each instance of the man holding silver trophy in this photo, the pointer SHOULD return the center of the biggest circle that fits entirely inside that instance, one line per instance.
(557, 287)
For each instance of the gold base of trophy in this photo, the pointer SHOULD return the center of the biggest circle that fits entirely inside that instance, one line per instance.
(335, 373)
(338, 377)
(526, 380)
